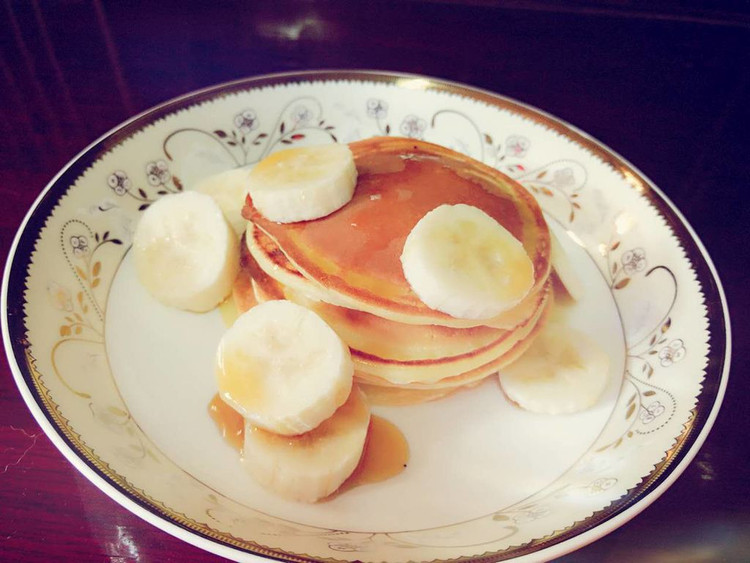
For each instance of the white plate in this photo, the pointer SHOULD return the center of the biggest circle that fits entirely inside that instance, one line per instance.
(121, 384)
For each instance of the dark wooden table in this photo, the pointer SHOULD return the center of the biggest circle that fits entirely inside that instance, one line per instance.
(664, 85)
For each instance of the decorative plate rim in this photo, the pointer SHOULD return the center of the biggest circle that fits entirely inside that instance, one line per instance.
(601, 523)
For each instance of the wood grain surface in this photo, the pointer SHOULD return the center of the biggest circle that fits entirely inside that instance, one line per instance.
(663, 84)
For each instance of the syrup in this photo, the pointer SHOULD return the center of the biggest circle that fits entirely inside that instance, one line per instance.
(396, 186)
(386, 452)
(230, 423)
(228, 311)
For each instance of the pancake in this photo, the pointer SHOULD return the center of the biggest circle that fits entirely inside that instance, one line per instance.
(386, 352)
(346, 267)
(274, 263)
(468, 378)
(353, 255)
(434, 371)
(369, 333)
(399, 353)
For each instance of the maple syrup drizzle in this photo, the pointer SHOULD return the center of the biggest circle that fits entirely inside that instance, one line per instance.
(228, 311)
(385, 455)
(230, 423)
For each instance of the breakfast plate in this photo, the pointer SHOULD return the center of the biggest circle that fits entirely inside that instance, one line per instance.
(121, 384)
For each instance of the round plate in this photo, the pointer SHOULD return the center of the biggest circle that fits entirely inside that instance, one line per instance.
(121, 384)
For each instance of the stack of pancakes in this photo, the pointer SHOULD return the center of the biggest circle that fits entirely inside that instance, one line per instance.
(346, 267)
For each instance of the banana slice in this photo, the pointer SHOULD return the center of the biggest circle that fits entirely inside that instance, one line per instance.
(564, 371)
(460, 261)
(564, 270)
(186, 254)
(310, 466)
(303, 183)
(283, 368)
(228, 189)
